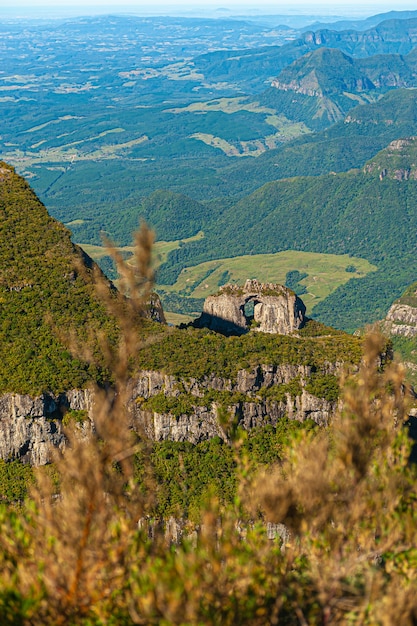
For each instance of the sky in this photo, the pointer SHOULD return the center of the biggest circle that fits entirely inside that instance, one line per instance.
(353, 8)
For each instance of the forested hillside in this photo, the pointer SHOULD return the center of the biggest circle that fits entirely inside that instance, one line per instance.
(355, 213)
(187, 142)
(161, 475)
(47, 291)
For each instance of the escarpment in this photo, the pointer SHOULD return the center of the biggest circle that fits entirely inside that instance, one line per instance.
(164, 407)
(31, 425)
(194, 410)
(401, 319)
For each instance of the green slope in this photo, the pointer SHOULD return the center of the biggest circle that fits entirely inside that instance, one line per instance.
(352, 213)
(251, 68)
(41, 288)
(350, 143)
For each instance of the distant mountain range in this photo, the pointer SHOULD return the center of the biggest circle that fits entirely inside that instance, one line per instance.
(253, 68)
(263, 149)
(365, 24)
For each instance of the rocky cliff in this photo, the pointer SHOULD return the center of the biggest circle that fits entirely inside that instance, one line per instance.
(194, 384)
(29, 426)
(398, 161)
(401, 319)
(400, 324)
(192, 410)
(258, 397)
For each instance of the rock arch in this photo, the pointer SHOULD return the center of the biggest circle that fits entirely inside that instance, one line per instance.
(276, 309)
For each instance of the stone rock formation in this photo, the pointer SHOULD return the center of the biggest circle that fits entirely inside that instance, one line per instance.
(30, 426)
(267, 308)
(251, 410)
(401, 320)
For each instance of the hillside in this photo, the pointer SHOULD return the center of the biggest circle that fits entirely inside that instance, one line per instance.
(363, 24)
(353, 213)
(350, 143)
(41, 287)
(47, 284)
(367, 129)
(253, 68)
(146, 122)
(322, 86)
(331, 72)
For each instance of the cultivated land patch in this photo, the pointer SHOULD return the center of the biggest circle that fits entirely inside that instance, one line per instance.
(325, 273)
(226, 105)
(71, 152)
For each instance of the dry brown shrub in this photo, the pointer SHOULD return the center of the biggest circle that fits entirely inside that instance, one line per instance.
(347, 495)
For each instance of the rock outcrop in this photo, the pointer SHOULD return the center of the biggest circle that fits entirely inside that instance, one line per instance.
(398, 161)
(402, 320)
(251, 404)
(267, 308)
(29, 426)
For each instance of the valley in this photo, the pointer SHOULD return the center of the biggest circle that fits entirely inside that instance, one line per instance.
(185, 121)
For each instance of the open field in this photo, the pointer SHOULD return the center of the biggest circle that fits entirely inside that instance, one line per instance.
(177, 318)
(225, 105)
(325, 273)
(68, 153)
(161, 249)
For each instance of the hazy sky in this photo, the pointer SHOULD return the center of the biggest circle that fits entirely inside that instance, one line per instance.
(172, 7)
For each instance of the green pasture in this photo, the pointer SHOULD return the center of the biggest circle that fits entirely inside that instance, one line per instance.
(225, 105)
(161, 249)
(325, 273)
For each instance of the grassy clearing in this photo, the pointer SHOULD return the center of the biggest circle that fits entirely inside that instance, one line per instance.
(325, 272)
(286, 130)
(68, 153)
(217, 142)
(161, 249)
(177, 318)
(63, 118)
(99, 252)
(225, 105)
(78, 222)
(252, 148)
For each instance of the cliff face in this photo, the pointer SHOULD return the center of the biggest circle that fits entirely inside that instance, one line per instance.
(398, 161)
(30, 426)
(248, 401)
(400, 324)
(402, 320)
(390, 36)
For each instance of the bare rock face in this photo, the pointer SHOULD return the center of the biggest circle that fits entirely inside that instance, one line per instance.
(401, 320)
(154, 310)
(29, 426)
(251, 410)
(267, 308)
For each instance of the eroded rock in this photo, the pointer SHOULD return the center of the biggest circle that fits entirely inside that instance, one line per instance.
(276, 309)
